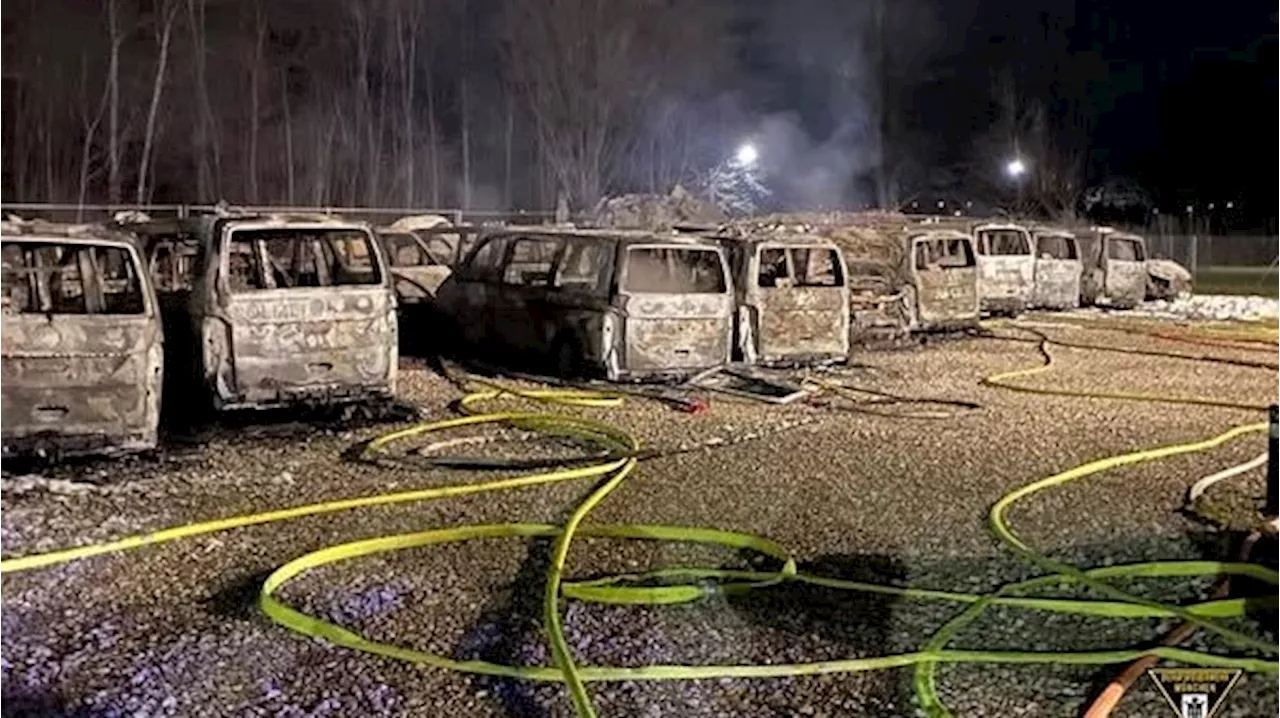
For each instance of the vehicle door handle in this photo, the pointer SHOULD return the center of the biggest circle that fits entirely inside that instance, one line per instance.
(50, 413)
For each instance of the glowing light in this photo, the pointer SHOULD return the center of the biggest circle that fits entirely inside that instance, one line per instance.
(1016, 167)
(747, 154)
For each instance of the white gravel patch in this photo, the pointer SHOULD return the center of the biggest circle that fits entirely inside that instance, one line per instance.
(1219, 307)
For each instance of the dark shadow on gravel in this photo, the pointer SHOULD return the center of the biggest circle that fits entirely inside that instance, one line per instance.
(238, 599)
(858, 622)
(23, 703)
(510, 631)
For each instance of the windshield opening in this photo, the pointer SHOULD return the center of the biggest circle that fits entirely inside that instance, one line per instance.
(674, 270)
(66, 278)
(292, 258)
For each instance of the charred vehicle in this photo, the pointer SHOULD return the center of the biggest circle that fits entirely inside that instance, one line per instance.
(792, 298)
(1167, 279)
(943, 292)
(1057, 269)
(1006, 268)
(1115, 267)
(904, 275)
(422, 252)
(82, 342)
(278, 309)
(622, 304)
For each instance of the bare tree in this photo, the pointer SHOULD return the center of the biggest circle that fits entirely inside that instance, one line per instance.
(113, 117)
(168, 11)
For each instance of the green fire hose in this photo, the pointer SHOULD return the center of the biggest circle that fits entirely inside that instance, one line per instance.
(687, 584)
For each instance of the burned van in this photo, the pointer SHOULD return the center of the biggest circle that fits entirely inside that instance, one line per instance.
(1057, 269)
(82, 342)
(943, 293)
(792, 298)
(622, 304)
(1006, 268)
(904, 275)
(283, 309)
(1115, 268)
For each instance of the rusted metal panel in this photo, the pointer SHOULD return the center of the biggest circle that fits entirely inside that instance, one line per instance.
(79, 376)
(1125, 283)
(665, 332)
(1057, 270)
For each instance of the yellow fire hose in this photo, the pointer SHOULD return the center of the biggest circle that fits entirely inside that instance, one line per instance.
(638, 589)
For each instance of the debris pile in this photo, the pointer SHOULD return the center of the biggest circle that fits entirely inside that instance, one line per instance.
(655, 211)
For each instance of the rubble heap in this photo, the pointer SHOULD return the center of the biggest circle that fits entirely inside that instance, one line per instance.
(655, 211)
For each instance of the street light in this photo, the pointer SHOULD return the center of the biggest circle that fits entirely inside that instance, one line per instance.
(747, 154)
(1016, 168)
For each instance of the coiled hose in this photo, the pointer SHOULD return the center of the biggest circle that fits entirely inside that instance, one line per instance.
(619, 457)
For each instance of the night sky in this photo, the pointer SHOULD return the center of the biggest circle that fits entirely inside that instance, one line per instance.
(844, 98)
(1186, 101)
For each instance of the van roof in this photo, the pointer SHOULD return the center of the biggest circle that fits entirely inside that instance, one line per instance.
(936, 234)
(40, 230)
(628, 236)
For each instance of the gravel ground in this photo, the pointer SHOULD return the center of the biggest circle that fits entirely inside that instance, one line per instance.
(172, 629)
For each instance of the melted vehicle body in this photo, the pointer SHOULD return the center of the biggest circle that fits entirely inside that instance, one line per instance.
(1006, 267)
(625, 304)
(1057, 269)
(792, 299)
(1115, 269)
(283, 309)
(82, 342)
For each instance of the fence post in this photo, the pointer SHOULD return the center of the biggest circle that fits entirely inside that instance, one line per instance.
(1195, 255)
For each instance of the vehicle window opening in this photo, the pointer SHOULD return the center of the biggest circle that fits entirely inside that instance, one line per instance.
(581, 266)
(1050, 247)
(70, 279)
(674, 270)
(530, 263)
(799, 267)
(937, 254)
(299, 258)
(484, 265)
(1005, 242)
(403, 250)
(1124, 250)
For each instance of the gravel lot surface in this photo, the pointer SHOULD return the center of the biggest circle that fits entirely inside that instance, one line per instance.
(173, 629)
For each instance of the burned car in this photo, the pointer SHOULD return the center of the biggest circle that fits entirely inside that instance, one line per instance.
(1115, 267)
(279, 309)
(422, 251)
(792, 298)
(1006, 268)
(1057, 269)
(625, 304)
(82, 342)
(1166, 279)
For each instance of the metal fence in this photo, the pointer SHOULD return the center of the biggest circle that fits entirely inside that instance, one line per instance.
(373, 215)
(1199, 251)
